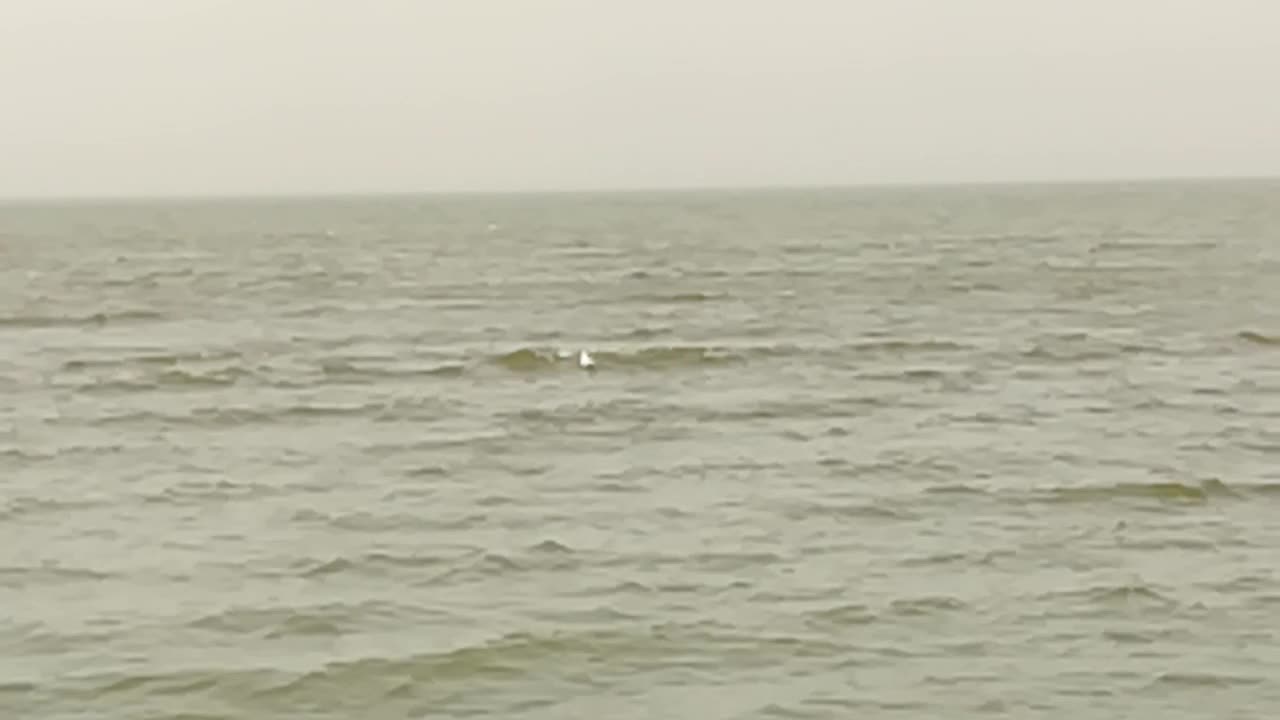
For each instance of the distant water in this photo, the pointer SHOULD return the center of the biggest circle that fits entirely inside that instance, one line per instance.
(928, 453)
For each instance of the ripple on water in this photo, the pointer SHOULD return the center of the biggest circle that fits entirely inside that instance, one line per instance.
(97, 319)
(1155, 494)
(333, 459)
(1257, 338)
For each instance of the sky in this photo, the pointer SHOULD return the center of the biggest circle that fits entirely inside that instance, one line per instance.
(195, 97)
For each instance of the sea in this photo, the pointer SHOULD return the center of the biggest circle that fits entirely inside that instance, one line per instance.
(901, 452)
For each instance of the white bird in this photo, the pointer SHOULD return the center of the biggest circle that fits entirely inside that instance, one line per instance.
(585, 360)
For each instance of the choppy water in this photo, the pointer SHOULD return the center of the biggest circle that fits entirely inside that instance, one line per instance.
(883, 453)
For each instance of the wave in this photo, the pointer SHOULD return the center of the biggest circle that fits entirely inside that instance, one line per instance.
(1155, 491)
(23, 506)
(665, 357)
(1110, 595)
(512, 655)
(644, 333)
(1168, 492)
(1126, 245)
(330, 619)
(151, 360)
(1200, 681)
(195, 686)
(908, 346)
(535, 360)
(194, 379)
(529, 654)
(217, 369)
(956, 490)
(36, 322)
(155, 371)
(1258, 338)
(527, 360)
(1076, 347)
(199, 492)
(348, 372)
(852, 512)
(28, 577)
(927, 605)
(229, 416)
(676, 298)
(166, 381)
(842, 616)
(150, 371)
(829, 408)
(371, 564)
(362, 521)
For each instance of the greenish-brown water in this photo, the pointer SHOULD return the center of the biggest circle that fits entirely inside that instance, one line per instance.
(951, 452)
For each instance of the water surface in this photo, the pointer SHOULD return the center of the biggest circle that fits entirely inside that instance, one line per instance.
(961, 452)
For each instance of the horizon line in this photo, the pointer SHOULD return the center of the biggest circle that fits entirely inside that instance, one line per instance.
(624, 190)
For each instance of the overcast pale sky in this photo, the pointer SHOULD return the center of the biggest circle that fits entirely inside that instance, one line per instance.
(122, 97)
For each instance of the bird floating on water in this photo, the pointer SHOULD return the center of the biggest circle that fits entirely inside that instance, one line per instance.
(585, 361)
